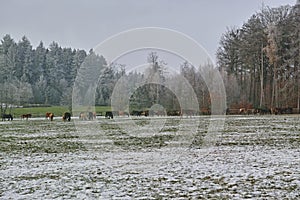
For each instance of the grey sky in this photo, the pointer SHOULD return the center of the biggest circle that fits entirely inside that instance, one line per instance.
(82, 24)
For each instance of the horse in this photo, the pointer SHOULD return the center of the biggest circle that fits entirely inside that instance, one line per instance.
(263, 111)
(49, 116)
(173, 113)
(134, 113)
(90, 115)
(82, 116)
(205, 111)
(87, 115)
(66, 116)
(26, 116)
(7, 116)
(243, 111)
(109, 115)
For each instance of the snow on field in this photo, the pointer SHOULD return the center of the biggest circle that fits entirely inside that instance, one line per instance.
(255, 157)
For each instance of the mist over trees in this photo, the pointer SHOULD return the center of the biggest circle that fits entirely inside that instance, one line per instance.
(260, 61)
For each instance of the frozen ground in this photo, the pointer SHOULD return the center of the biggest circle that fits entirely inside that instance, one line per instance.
(255, 157)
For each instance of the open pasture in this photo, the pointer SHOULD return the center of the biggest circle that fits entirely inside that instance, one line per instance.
(255, 157)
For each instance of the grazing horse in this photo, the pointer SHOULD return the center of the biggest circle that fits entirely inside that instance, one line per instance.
(90, 115)
(243, 111)
(173, 113)
(109, 115)
(145, 113)
(281, 111)
(26, 116)
(82, 116)
(7, 116)
(49, 116)
(205, 111)
(251, 111)
(134, 113)
(263, 111)
(87, 116)
(122, 113)
(66, 116)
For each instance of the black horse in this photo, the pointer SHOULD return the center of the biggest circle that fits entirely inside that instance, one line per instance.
(109, 115)
(7, 116)
(66, 116)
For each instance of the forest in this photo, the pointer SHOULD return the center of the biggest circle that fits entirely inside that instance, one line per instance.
(46, 77)
(259, 63)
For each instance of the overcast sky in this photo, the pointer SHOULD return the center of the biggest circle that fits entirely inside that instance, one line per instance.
(82, 24)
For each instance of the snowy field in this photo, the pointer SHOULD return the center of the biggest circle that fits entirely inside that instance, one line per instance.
(253, 157)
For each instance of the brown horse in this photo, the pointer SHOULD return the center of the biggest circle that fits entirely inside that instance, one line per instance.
(243, 111)
(26, 116)
(87, 115)
(49, 116)
(82, 116)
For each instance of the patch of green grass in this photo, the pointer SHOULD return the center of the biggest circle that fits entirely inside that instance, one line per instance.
(41, 146)
(39, 136)
(102, 109)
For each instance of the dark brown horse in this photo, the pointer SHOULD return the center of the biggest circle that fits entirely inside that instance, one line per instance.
(26, 116)
(66, 116)
(49, 116)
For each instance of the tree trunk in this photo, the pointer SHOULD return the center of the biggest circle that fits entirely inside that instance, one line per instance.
(262, 79)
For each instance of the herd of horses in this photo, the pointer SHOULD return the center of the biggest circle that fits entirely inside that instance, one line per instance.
(262, 111)
(110, 114)
(49, 115)
(65, 117)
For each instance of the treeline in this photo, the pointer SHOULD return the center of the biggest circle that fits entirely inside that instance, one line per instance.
(47, 76)
(43, 75)
(155, 87)
(37, 76)
(260, 61)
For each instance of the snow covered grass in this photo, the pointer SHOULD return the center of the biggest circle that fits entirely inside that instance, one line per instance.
(37, 137)
(255, 157)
